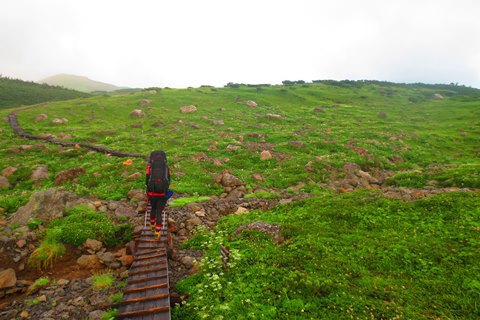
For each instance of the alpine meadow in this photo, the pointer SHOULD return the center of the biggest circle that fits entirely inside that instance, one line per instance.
(337, 200)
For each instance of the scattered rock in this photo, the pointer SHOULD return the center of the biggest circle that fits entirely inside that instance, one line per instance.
(8, 171)
(105, 257)
(192, 223)
(241, 210)
(271, 229)
(138, 195)
(41, 117)
(40, 172)
(45, 205)
(188, 261)
(42, 298)
(93, 245)
(265, 155)
(251, 104)
(24, 314)
(273, 116)
(64, 136)
(258, 177)
(134, 176)
(297, 144)
(188, 109)
(21, 243)
(144, 102)
(125, 212)
(8, 278)
(59, 121)
(68, 175)
(88, 261)
(217, 122)
(62, 282)
(96, 315)
(4, 183)
(232, 147)
(137, 113)
(437, 96)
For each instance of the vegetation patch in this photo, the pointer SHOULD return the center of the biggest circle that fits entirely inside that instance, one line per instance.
(356, 255)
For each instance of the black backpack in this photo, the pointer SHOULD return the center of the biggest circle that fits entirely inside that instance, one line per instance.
(159, 178)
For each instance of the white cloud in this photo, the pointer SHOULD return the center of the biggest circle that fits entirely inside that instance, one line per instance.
(189, 43)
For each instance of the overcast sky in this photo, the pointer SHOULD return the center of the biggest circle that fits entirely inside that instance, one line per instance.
(180, 43)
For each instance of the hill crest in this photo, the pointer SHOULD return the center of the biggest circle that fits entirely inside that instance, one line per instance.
(79, 83)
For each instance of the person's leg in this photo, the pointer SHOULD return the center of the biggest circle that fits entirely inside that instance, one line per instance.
(154, 204)
(161, 202)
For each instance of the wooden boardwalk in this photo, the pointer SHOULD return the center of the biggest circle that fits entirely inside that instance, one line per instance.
(146, 296)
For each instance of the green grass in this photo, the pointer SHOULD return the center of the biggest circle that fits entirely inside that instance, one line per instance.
(79, 224)
(441, 132)
(39, 284)
(356, 255)
(102, 281)
(180, 202)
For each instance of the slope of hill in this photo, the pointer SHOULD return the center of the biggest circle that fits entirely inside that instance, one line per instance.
(349, 250)
(79, 83)
(14, 92)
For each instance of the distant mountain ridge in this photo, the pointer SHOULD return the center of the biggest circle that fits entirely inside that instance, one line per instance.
(79, 83)
(15, 92)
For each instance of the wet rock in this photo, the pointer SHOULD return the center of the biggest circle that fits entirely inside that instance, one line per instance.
(265, 155)
(8, 278)
(40, 172)
(188, 109)
(92, 245)
(68, 175)
(8, 171)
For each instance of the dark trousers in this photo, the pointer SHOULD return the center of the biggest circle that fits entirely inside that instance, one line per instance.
(158, 204)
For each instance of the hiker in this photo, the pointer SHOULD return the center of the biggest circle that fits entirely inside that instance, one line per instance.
(158, 192)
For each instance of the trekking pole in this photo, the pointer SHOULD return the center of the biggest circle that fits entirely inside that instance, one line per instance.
(146, 213)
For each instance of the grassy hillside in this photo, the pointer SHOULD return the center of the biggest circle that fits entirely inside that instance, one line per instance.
(427, 142)
(355, 255)
(14, 92)
(79, 83)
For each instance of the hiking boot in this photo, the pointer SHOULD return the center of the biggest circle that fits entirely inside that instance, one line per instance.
(152, 224)
(158, 228)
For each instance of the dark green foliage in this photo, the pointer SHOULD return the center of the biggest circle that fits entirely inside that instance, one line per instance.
(82, 223)
(15, 92)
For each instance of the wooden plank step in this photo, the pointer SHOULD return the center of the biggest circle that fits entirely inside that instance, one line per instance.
(147, 270)
(144, 279)
(146, 257)
(147, 252)
(153, 297)
(142, 312)
(153, 286)
(148, 264)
